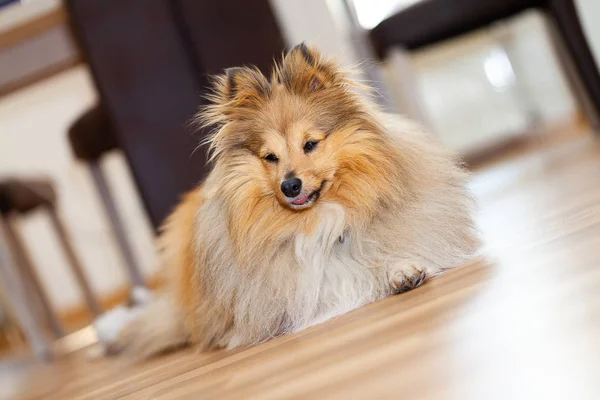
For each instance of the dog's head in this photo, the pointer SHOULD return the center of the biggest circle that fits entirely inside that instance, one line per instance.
(300, 136)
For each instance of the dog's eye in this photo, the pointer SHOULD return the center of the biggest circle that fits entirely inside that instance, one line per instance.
(309, 146)
(271, 158)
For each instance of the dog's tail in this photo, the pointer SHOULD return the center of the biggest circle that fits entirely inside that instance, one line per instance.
(158, 328)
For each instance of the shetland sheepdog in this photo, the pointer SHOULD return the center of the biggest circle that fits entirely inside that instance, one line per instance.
(317, 203)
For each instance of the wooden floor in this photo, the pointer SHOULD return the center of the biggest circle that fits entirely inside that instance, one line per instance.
(520, 322)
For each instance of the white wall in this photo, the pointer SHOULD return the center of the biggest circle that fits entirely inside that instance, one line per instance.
(318, 22)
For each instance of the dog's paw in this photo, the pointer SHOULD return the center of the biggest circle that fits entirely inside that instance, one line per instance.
(404, 279)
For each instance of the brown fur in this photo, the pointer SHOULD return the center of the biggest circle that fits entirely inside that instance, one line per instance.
(245, 265)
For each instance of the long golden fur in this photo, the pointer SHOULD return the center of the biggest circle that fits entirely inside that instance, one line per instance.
(386, 206)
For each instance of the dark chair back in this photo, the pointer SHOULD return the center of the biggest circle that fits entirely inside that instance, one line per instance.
(151, 61)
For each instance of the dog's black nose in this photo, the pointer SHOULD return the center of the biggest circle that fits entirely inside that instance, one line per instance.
(291, 187)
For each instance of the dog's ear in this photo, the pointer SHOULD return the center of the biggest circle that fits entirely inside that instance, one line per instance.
(305, 71)
(236, 93)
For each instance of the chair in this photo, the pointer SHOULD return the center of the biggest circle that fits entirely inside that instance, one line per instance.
(431, 21)
(17, 198)
(91, 137)
(151, 61)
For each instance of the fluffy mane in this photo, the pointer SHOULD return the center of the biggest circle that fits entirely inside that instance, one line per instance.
(383, 207)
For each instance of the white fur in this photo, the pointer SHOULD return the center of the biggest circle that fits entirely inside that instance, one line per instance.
(331, 282)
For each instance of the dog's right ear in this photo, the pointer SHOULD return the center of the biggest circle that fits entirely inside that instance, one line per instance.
(236, 94)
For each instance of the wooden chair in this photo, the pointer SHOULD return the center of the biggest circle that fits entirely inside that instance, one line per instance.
(151, 61)
(24, 288)
(92, 136)
(431, 21)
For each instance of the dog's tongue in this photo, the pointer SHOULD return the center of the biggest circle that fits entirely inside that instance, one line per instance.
(300, 200)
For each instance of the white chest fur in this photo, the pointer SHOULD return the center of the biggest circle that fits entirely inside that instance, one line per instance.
(332, 280)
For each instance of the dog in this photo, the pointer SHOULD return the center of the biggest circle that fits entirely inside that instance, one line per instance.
(317, 203)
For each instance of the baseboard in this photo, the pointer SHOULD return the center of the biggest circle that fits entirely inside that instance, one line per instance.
(35, 49)
(33, 27)
(575, 125)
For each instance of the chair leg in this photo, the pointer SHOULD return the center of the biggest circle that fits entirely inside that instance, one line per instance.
(409, 97)
(76, 268)
(572, 45)
(117, 225)
(30, 278)
(504, 39)
(21, 303)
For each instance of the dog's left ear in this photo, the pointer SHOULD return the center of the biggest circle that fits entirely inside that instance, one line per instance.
(236, 93)
(305, 71)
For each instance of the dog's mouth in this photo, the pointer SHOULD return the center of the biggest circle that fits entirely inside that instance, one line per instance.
(306, 200)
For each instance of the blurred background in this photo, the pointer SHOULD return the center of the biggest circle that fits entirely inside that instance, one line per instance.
(96, 96)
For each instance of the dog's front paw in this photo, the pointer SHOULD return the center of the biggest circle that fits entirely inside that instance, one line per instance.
(404, 279)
